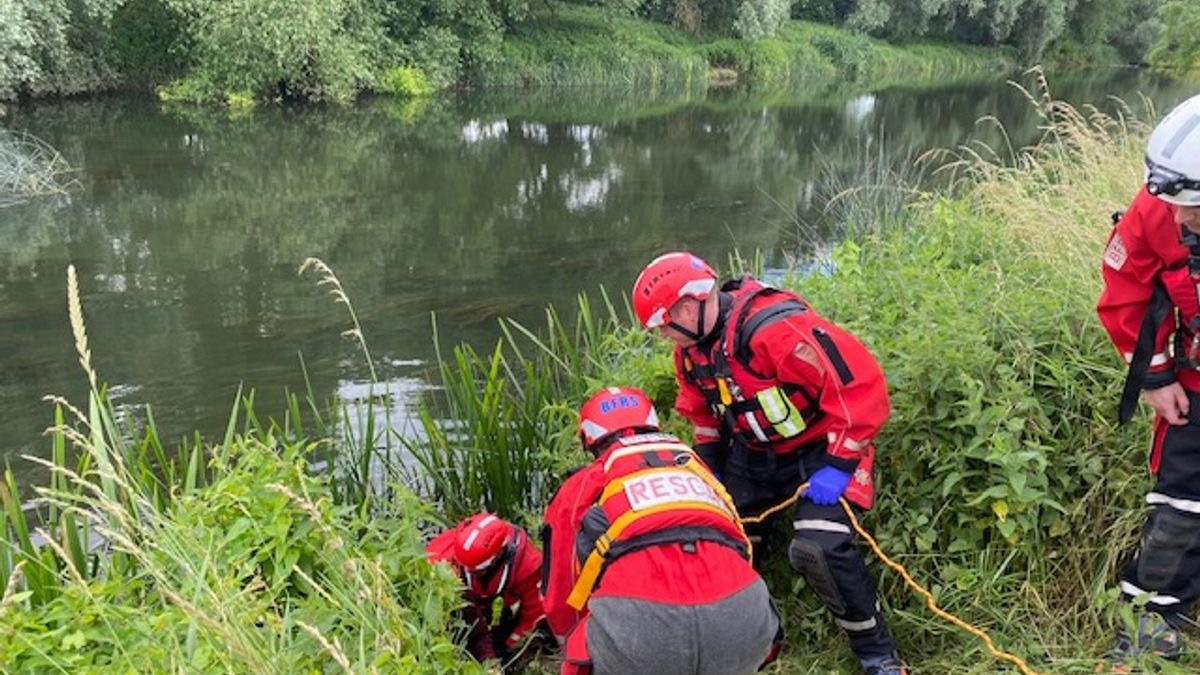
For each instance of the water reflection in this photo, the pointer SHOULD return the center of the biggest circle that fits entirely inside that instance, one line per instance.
(191, 225)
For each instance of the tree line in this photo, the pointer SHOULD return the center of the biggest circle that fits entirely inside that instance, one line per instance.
(334, 49)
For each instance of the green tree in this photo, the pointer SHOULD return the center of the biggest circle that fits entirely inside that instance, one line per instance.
(314, 49)
(1178, 45)
(761, 18)
(55, 46)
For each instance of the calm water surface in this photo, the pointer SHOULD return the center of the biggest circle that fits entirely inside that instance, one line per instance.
(189, 227)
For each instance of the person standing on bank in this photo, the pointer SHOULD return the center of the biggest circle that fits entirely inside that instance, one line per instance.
(779, 396)
(1151, 271)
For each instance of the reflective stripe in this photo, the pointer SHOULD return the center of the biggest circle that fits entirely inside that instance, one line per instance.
(822, 525)
(1180, 136)
(780, 412)
(706, 431)
(696, 288)
(1158, 359)
(640, 448)
(753, 424)
(475, 533)
(852, 444)
(1174, 502)
(857, 625)
(1130, 589)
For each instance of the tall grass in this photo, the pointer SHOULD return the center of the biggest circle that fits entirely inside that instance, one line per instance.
(499, 432)
(1004, 479)
(233, 559)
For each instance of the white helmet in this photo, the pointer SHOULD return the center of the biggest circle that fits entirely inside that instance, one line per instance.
(1173, 156)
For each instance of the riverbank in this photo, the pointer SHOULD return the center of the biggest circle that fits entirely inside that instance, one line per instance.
(577, 45)
(245, 55)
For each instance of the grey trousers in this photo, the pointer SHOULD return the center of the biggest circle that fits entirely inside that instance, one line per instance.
(628, 636)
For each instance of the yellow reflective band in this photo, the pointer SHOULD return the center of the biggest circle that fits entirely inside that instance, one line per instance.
(779, 410)
(723, 389)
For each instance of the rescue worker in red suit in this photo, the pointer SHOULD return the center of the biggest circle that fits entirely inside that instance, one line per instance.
(647, 569)
(778, 396)
(494, 558)
(1150, 308)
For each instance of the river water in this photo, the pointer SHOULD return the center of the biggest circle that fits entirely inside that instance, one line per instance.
(188, 227)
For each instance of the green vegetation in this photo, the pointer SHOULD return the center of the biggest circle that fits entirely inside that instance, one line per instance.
(255, 50)
(1006, 485)
(227, 558)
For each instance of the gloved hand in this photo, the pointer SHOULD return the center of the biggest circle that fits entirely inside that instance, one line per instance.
(826, 485)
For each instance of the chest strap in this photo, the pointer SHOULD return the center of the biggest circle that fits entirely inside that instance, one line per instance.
(610, 545)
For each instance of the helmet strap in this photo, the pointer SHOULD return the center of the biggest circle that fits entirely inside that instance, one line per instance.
(690, 334)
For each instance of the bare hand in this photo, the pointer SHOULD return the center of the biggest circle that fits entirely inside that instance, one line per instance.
(1170, 402)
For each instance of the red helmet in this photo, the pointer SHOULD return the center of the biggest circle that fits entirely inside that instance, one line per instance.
(480, 541)
(613, 409)
(665, 280)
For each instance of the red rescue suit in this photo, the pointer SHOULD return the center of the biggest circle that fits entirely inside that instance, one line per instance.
(835, 390)
(1151, 274)
(517, 586)
(1145, 249)
(645, 521)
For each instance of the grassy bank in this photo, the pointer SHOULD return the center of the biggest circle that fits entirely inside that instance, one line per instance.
(577, 45)
(1006, 486)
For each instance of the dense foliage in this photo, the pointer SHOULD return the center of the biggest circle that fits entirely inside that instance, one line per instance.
(244, 50)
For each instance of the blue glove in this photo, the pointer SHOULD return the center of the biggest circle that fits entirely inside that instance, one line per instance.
(827, 485)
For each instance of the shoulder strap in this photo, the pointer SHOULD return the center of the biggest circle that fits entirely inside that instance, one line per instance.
(745, 324)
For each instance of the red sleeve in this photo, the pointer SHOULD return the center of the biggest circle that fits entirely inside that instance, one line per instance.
(441, 548)
(846, 378)
(690, 403)
(563, 519)
(1131, 266)
(524, 590)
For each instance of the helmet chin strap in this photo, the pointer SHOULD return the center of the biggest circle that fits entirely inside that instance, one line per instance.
(692, 335)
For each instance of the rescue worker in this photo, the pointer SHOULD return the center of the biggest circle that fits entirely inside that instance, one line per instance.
(1150, 308)
(778, 396)
(494, 559)
(647, 570)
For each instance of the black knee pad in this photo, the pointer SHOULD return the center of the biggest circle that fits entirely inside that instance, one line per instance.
(808, 558)
(1166, 542)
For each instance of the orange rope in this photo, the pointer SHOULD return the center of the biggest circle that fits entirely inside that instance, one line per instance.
(897, 567)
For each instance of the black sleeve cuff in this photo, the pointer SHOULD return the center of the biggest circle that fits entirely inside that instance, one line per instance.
(847, 464)
(1158, 380)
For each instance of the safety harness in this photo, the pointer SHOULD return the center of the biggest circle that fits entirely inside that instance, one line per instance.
(670, 477)
(725, 397)
(1156, 312)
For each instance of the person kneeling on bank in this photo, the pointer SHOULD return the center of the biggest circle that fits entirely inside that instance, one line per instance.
(499, 568)
(646, 569)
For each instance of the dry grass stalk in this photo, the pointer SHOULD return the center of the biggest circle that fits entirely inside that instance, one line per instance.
(333, 648)
(328, 278)
(75, 313)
